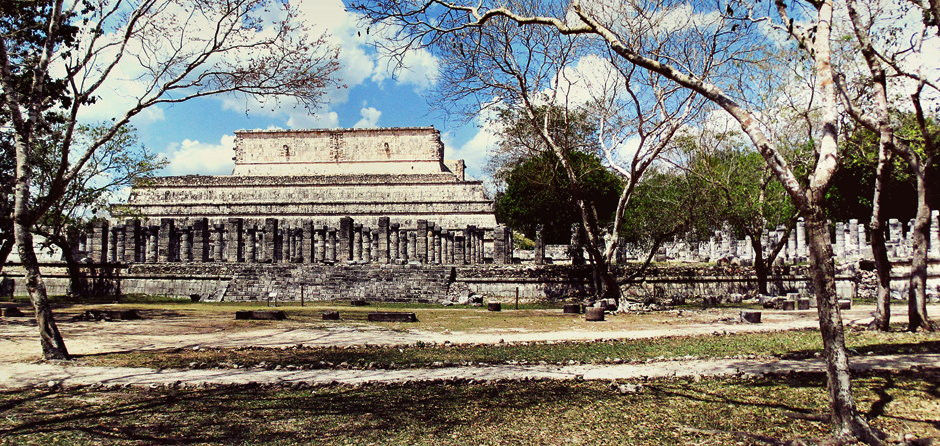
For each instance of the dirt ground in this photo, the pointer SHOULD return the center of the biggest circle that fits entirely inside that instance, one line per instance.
(167, 328)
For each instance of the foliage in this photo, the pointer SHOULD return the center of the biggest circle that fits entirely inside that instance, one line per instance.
(851, 192)
(535, 189)
(537, 192)
(665, 204)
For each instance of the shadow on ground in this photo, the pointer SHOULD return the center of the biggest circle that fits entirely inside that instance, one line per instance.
(755, 410)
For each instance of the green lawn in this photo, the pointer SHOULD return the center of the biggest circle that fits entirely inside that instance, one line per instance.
(709, 412)
(791, 344)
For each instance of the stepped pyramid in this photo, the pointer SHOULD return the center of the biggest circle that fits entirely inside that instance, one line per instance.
(323, 175)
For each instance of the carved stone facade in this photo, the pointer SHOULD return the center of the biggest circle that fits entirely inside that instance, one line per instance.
(321, 176)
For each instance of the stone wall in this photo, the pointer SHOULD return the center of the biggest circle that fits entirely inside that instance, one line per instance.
(417, 150)
(216, 281)
(237, 240)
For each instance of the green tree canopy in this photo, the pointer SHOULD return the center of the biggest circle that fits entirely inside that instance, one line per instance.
(537, 193)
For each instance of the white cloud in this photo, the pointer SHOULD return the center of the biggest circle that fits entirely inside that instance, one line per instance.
(370, 117)
(191, 157)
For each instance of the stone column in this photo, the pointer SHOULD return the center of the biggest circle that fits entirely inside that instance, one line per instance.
(413, 247)
(367, 245)
(233, 246)
(331, 242)
(499, 244)
(375, 245)
(285, 242)
(251, 253)
(306, 247)
(800, 239)
(165, 246)
(385, 244)
(403, 250)
(577, 256)
(119, 251)
(218, 254)
(186, 246)
(840, 240)
(421, 252)
(320, 247)
(437, 245)
(112, 245)
(131, 240)
(471, 244)
(863, 248)
(934, 239)
(268, 240)
(344, 248)
(852, 240)
(450, 247)
(393, 253)
(481, 245)
(458, 244)
(909, 241)
(357, 243)
(539, 244)
(201, 240)
(152, 244)
(290, 245)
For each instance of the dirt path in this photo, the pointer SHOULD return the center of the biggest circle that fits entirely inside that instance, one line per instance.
(19, 340)
(18, 376)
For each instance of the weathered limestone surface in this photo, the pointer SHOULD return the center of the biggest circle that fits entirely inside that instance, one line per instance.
(324, 175)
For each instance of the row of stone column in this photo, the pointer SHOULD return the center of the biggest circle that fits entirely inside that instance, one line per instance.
(239, 240)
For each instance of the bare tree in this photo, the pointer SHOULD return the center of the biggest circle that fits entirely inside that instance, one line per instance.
(428, 20)
(58, 56)
(636, 112)
(871, 103)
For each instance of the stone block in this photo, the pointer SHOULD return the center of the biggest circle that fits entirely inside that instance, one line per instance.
(787, 305)
(752, 317)
(390, 316)
(276, 315)
(594, 314)
(845, 304)
(10, 311)
(494, 306)
(802, 304)
(572, 309)
(331, 315)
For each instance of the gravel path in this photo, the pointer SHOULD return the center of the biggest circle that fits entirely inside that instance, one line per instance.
(18, 376)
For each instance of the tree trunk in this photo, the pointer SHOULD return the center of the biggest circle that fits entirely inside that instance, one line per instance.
(53, 347)
(882, 316)
(760, 267)
(917, 289)
(846, 420)
(78, 284)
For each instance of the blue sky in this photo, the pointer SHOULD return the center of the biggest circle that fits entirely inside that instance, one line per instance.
(196, 136)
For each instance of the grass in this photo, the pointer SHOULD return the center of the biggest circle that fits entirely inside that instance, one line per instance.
(789, 344)
(431, 317)
(709, 412)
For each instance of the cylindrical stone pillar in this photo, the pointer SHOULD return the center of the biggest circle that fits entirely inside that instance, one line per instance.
(186, 248)
(251, 249)
(393, 248)
(119, 252)
(357, 242)
(152, 244)
(413, 247)
(331, 246)
(366, 245)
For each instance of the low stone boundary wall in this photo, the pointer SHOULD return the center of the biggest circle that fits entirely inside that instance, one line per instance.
(434, 283)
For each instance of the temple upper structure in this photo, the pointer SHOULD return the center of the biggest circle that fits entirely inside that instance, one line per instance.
(323, 175)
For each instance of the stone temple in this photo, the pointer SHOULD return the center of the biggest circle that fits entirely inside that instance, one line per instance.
(324, 175)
